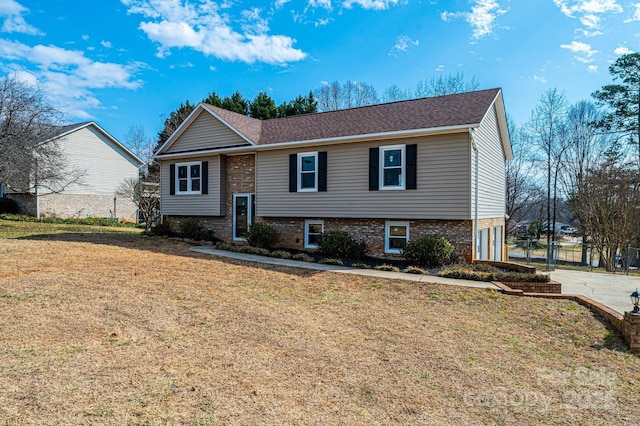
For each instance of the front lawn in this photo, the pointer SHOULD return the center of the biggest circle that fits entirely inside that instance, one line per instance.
(119, 328)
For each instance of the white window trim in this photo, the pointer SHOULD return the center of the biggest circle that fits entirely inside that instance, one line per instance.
(306, 231)
(177, 182)
(403, 164)
(387, 225)
(315, 186)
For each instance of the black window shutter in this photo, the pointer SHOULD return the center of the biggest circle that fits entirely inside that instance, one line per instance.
(374, 164)
(322, 171)
(412, 166)
(172, 179)
(293, 173)
(205, 177)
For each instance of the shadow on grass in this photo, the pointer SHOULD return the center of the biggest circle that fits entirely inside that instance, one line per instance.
(163, 245)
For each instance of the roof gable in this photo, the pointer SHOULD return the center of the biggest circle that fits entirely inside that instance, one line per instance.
(64, 131)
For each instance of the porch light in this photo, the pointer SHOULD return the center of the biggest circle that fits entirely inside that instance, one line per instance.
(635, 299)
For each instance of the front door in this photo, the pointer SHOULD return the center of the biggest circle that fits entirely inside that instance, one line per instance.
(242, 215)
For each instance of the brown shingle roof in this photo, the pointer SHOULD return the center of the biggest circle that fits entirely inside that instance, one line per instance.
(426, 113)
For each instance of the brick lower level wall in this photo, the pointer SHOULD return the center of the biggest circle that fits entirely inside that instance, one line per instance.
(77, 206)
(372, 231)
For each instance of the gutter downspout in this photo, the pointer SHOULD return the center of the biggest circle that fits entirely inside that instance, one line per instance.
(475, 223)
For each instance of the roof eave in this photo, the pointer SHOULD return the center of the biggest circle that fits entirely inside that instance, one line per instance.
(326, 141)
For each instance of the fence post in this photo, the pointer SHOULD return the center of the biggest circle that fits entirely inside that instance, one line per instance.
(528, 251)
(628, 258)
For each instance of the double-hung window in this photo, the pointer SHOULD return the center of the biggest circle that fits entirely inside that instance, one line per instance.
(188, 178)
(396, 236)
(307, 171)
(392, 167)
(313, 230)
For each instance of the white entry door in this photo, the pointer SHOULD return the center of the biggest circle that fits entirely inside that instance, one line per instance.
(497, 243)
(482, 246)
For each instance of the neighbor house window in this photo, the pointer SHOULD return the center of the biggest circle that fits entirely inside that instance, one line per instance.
(313, 230)
(307, 171)
(392, 167)
(396, 236)
(188, 178)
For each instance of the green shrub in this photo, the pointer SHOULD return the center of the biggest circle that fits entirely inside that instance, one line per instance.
(341, 244)
(8, 205)
(262, 235)
(191, 228)
(415, 270)
(256, 250)
(360, 265)
(161, 229)
(223, 245)
(330, 261)
(430, 250)
(484, 272)
(386, 267)
(282, 254)
(302, 257)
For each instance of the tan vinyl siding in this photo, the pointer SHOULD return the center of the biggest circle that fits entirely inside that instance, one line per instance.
(206, 132)
(104, 164)
(442, 183)
(197, 204)
(491, 176)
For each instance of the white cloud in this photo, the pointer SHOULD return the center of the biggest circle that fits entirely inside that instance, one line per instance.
(68, 76)
(106, 44)
(583, 51)
(636, 14)
(402, 44)
(202, 27)
(440, 68)
(481, 17)
(592, 68)
(370, 4)
(539, 79)
(622, 50)
(588, 12)
(325, 4)
(14, 22)
(280, 3)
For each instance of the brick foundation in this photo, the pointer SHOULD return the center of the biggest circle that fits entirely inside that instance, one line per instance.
(77, 206)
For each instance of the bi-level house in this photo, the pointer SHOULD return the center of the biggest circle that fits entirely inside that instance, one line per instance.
(385, 173)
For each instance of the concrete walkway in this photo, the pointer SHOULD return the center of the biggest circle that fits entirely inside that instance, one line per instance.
(612, 290)
(430, 279)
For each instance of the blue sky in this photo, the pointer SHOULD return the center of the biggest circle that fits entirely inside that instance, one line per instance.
(131, 62)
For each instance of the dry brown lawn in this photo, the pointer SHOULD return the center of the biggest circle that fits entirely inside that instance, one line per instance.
(126, 329)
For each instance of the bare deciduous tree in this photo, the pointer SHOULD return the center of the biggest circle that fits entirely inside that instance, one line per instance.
(606, 203)
(29, 154)
(334, 96)
(447, 84)
(145, 195)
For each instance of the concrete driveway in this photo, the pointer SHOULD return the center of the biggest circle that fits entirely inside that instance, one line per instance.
(612, 290)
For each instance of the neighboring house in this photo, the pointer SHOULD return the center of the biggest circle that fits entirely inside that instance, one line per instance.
(385, 173)
(104, 163)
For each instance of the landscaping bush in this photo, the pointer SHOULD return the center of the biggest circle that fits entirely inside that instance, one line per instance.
(385, 267)
(302, 257)
(415, 270)
(332, 262)
(360, 265)
(341, 244)
(485, 272)
(430, 250)
(282, 254)
(262, 235)
(8, 205)
(192, 228)
(162, 229)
